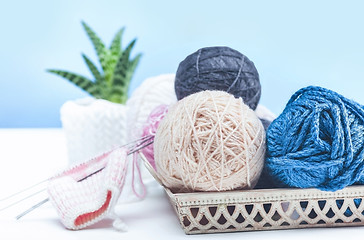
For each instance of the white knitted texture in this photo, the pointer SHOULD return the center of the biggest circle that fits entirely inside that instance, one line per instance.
(92, 126)
(72, 198)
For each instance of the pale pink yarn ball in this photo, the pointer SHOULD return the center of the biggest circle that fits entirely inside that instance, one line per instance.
(150, 129)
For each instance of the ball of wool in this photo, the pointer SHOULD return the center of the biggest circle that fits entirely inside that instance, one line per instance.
(209, 141)
(150, 129)
(219, 68)
(265, 115)
(151, 93)
(317, 141)
(156, 116)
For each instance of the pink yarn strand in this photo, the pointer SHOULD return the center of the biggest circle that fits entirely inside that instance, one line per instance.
(136, 165)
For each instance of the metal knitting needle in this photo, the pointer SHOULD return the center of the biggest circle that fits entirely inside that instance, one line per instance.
(32, 208)
(31, 195)
(23, 190)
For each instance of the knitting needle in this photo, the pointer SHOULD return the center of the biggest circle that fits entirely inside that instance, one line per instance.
(23, 190)
(31, 195)
(32, 208)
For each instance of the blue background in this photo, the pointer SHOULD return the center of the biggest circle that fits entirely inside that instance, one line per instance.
(293, 44)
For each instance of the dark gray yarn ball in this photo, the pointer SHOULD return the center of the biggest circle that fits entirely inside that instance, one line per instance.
(219, 68)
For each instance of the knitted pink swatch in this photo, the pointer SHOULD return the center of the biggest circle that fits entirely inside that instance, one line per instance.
(85, 194)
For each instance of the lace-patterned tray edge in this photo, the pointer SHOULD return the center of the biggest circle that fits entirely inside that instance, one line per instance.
(265, 209)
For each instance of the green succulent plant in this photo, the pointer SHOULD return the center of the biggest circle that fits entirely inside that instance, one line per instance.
(111, 82)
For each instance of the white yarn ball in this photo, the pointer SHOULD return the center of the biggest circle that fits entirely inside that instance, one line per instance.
(151, 93)
(263, 112)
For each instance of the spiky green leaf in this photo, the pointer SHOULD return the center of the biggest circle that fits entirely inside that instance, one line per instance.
(80, 81)
(133, 64)
(111, 61)
(121, 69)
(99, 46)
(93, 69)
(112, 57)
(115, 46)
(131, 69)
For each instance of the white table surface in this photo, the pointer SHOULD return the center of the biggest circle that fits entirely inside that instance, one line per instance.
(28, 156)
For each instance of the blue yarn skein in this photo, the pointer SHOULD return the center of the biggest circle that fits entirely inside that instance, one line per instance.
(317, 141)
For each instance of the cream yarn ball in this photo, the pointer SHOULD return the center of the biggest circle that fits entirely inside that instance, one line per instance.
(209, 141)
(151, 93)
